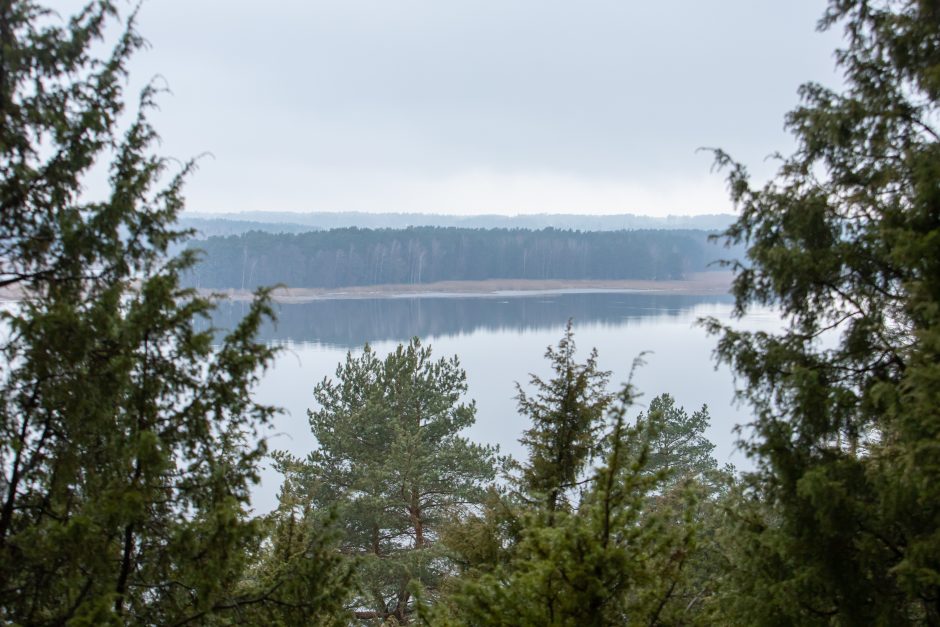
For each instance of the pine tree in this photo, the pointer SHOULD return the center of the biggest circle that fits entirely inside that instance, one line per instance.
(567, 416)
(612, 560)
(619, 554)
(128, 440)
(692, 495)
(679, 447)
(391, 458)
(298, 574)
(841, 522)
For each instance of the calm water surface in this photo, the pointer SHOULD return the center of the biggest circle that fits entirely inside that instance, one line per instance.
(500, 340)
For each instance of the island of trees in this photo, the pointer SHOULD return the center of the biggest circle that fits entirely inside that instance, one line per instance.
(129, 436)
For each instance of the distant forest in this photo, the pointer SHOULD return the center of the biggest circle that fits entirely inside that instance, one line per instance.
(353, 256)
(208, 225)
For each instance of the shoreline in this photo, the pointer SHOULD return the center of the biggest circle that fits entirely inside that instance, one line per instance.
(697, 284)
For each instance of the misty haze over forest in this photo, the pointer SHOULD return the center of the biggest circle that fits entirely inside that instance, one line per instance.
(208, 224)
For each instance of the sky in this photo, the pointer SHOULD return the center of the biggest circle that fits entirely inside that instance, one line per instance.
(475, 106)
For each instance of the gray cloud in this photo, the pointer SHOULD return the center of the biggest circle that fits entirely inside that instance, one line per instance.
(398, 100)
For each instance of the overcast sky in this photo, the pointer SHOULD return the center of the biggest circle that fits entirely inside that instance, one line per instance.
(482, 106)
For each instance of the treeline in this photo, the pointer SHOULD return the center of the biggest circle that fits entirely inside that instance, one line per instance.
(220, 227)
(294, 222)
(347, 257)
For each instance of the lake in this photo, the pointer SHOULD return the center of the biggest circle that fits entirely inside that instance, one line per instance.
(501, 339)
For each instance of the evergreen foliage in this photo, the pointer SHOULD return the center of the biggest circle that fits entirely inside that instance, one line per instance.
(567, 414)
(678, 447)
(693, 493)
(353, 256)
(840, 522)
(597, 565)
(128, 442)
(304, 578)
(391, 458)
(632, 548)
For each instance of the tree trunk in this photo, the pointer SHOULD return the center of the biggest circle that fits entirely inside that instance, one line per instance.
(417, 523)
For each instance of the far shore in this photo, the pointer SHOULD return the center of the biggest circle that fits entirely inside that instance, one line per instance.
(698, 284)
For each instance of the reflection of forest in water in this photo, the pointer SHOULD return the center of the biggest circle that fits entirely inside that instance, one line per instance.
(349, 323)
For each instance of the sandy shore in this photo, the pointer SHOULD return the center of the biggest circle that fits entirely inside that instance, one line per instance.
(702, 283)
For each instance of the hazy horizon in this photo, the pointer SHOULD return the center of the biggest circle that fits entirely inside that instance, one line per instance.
(302, 213)
(484, 107)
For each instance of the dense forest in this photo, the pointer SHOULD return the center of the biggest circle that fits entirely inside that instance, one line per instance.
(345, 257)
(130, 437)
(209, 224)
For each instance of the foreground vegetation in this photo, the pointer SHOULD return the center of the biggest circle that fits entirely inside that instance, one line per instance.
(128, 442)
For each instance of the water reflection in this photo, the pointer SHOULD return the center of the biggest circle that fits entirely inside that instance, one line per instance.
(349, 323)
